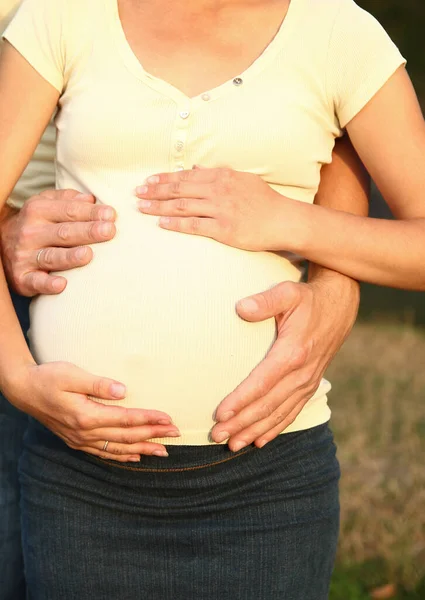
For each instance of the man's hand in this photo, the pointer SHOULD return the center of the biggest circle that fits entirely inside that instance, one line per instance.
(313, 320)
(50, 233)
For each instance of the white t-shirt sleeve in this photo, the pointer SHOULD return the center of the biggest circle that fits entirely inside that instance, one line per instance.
(361, 59)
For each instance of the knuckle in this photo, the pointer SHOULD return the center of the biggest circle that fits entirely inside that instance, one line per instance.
(49, 255)
(63, 232)
(98, 387)
(26, 233)
(115, 449)
(186, 175)
(278, 417)
(262, 387)
(266, 409)
(128, 439)
(299, 356)
(181, 205)
(195, 225)
(31, 207)
(72, 210)
(175, 188)
(127, 420)
(83, 422)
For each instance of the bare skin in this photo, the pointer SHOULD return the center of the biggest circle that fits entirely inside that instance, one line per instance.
(20, 377)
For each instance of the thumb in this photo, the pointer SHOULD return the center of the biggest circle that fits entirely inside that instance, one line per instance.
(279, 299)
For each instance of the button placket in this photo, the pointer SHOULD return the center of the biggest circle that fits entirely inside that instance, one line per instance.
(180, 138)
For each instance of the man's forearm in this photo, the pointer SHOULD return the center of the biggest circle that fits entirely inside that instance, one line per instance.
(345, 186)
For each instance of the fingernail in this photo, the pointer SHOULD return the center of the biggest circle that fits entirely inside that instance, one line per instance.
(134, 459)
(262, 443)
(223, 435)
(248, 304)
(226, 416)
(118, 390)
(164, 221)
(152, 179)
(165, 422)
(238, 446)
(142, 189)
(82, 195)
(80, 253)
(173, 433)
(144, 203)
(107, 214)
(105, 229)
(57, 284)
(160, 453)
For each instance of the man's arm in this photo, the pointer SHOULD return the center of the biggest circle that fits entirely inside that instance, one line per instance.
(313, 320)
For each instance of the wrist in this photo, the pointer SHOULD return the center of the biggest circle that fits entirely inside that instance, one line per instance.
(335, 287)
(292, 224)
(14, 379)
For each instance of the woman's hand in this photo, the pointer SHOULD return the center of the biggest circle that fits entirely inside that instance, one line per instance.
(57, 395)
(235, 208)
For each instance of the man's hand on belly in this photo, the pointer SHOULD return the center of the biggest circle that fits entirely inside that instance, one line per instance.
(50, 233)
(313, 320)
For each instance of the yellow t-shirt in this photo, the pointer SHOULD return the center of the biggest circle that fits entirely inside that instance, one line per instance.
(40, 173)
(156, 309)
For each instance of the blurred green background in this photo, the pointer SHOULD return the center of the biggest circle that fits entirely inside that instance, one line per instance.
(378, 404)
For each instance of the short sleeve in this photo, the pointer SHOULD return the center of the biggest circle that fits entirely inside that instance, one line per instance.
(361, 59)
(37, 33)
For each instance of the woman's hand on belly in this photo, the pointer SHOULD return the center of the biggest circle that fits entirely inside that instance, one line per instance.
(232, 207)
(58, 395)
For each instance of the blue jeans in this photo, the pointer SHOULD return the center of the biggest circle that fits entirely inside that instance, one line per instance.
(200, 525)
(13, 424)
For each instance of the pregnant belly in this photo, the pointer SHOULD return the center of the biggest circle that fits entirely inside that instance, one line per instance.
(156, 310)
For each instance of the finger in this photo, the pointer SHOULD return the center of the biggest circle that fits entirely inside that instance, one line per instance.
(94, 415)
(175, 189)
(79, 208)
(147, 448)
(187, 207)
(270, 435)
(197, 174)
(203, 226)
(281, 298)
(131, 435)
(284, 358)
(40, 282)
(279, 418)
(266, 407)
(62, 259)
(67, 234)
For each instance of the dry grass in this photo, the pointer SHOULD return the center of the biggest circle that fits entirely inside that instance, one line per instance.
(378, 403)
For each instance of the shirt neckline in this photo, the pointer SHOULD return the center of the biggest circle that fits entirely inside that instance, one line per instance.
(134, 65)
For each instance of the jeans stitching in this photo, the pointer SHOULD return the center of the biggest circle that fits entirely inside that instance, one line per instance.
(177, 469)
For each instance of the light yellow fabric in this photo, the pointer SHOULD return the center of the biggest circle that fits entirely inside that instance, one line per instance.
(40, 173)
(156, 309)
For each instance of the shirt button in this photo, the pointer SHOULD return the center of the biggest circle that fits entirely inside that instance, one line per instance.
(206, 97)
(179, 146)
(180, 168)
(184, 114)
(238, 81)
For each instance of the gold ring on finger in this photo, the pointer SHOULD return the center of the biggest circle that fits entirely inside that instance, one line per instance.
(105, 446)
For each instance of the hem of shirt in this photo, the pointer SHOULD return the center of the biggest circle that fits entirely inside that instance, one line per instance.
(313, 415)
(368, 90)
